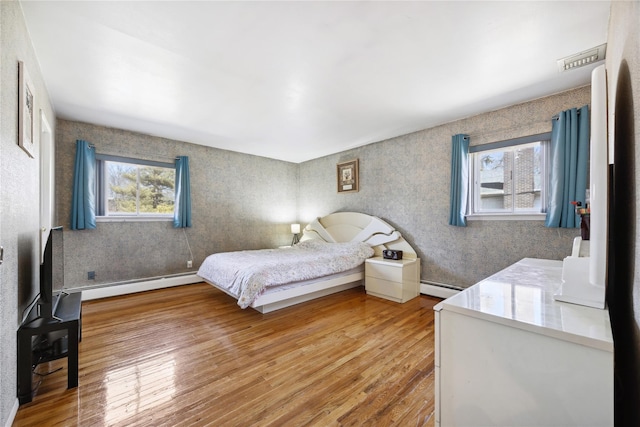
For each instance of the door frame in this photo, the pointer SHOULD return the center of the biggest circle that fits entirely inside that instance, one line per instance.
(47, 181)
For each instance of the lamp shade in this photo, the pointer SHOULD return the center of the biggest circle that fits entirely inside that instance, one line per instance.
(295, 228)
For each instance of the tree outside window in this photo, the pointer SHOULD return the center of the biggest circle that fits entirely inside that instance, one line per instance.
(139, 190)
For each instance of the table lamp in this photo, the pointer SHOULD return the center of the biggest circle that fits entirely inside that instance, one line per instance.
(295, 230)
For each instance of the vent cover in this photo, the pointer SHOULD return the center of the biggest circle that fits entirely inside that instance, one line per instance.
(583, 58)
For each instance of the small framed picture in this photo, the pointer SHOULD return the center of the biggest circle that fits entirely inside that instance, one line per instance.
(26, 98)
(348, 176)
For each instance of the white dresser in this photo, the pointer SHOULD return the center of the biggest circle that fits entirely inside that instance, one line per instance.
(508, 354)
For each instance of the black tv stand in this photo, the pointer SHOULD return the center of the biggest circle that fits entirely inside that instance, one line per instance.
(42, 340)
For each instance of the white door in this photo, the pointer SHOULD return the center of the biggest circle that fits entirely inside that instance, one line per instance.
(47, 181)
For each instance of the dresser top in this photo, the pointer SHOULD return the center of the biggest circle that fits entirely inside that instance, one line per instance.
(521, 296)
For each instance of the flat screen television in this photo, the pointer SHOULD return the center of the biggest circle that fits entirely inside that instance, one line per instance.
(51, 274)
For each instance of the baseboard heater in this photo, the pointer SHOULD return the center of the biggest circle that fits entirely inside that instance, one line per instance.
(105, 290)
(438, 290)
(112, 289)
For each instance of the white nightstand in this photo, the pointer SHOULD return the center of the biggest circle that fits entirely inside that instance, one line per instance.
(397, 281)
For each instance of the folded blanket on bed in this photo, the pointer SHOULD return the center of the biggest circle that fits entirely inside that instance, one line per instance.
(247, 273)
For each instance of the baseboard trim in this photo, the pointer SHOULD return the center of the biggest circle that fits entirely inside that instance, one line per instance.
(167, 282)
(437, 291)
(12, 414)
(141, 286)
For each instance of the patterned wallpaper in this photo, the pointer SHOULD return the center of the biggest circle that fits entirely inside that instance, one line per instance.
(405, 181)
(246, 202)
(19, 196)
(234, 207)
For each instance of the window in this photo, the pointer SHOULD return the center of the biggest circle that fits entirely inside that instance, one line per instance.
(134, 188)
(509, 177)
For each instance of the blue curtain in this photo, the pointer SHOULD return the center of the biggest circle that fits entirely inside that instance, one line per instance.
(459, 180)
(182, 211)
(83, 210)
(569, 157)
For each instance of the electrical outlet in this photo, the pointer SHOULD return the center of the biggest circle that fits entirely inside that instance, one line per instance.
(189, 264)
(91, 275)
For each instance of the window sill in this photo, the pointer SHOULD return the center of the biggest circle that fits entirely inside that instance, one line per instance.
(133, 218)
(507, 217)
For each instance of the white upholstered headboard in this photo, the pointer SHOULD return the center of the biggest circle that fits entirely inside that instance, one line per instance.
(354, 226)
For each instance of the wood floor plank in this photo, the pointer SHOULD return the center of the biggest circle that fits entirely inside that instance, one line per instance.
(190, 356)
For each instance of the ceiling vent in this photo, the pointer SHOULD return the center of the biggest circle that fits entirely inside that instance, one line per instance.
(583, 58)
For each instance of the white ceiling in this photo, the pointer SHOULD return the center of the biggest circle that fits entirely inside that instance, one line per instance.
(299, 80)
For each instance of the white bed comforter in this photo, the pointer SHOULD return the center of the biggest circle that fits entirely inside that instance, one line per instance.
(247, 273)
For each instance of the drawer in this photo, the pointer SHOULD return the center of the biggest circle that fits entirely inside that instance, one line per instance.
(395, 272)
(383, 288)
(394, 291)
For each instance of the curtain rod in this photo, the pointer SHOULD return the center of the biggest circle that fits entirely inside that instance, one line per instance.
(158, 159)
(139, 156)
(557, 116)
(519, 127)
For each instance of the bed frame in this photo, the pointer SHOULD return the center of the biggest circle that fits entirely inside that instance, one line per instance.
(335, 228)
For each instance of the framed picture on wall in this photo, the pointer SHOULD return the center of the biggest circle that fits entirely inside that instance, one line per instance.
(26, 98)
(348, 176)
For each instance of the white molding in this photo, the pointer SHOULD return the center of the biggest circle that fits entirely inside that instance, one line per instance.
(144, 285)
(437, 291)
(141, 218)
(12, 413)
(506, 217)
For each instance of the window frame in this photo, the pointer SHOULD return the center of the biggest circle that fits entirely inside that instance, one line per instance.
(101, 190)
(473, 213)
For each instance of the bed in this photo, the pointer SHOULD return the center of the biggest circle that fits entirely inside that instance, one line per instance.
(345, 234)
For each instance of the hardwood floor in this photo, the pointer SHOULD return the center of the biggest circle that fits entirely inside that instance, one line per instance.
(190, 356)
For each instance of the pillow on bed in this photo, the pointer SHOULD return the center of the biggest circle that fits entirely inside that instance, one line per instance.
(361, 249)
